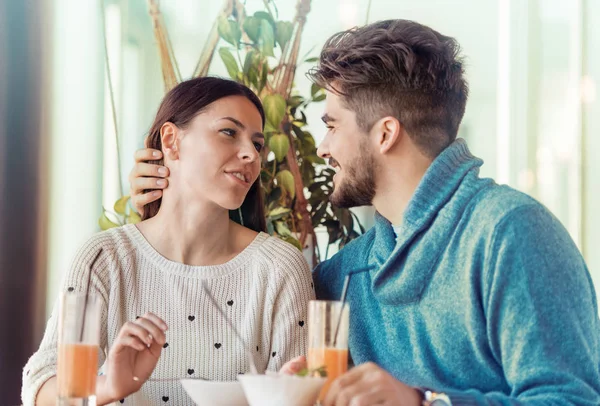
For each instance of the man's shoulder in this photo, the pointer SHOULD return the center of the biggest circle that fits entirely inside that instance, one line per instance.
(499, 203)
(352, 253)
(329, 275)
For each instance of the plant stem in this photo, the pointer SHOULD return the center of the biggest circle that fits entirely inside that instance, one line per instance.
(112, 99)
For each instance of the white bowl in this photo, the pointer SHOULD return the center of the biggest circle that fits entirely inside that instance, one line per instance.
(215, 393)
(281, 390)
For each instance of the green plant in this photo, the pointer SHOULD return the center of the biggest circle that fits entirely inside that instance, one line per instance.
(123, 214)
(320, 372)
(261, 51)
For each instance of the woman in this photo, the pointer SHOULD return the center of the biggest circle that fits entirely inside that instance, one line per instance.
(209, 132)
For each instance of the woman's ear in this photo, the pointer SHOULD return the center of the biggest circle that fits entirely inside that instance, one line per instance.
(168, 138)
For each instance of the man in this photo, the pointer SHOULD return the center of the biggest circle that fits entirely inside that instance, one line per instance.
(478, 295)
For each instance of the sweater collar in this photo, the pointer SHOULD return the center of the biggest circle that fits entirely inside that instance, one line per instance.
(404, 264)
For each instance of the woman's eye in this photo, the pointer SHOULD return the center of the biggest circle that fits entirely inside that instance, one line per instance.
(228, 131)
(258, 146)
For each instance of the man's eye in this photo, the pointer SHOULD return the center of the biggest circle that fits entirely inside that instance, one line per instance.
(258, 146)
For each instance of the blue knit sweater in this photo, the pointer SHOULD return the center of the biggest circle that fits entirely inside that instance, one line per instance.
(484, 296)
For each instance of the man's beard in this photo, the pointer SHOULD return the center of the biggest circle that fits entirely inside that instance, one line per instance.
(358, 185)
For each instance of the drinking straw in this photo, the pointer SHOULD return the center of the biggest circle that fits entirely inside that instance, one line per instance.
(87, 292)
(232, 326)
(343, 299)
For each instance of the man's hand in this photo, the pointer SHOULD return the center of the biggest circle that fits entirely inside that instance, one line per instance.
(145, 176)
(368, 384)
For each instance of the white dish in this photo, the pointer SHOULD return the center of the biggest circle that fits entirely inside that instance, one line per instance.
(281, 390)
(215, 393)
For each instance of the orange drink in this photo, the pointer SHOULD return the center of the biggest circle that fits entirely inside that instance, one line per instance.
(328, 323)
(78, 345)
(77, 370)
(334, 360)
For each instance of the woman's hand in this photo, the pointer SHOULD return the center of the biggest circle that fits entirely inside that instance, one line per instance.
(133, 356)
(294, 366)
(145, 176)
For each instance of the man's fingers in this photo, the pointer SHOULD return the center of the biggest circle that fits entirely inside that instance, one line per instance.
(147, 154)
(348, 383)
(143, 169)
(140, 184)
(139, 201)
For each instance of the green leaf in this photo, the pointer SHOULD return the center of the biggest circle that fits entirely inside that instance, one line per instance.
(252, 28)
(314, 89)
(315, 159)
(230, 63)
(133, 218)
(312, 60)
(319, 98)
(279, 144)
(362, 228)
(316, 186)
(269, 128)
(278, 213)
(282, 228)
(293, 241)
(105, 223)
(275, 194)
(263, 77)
(267, 38)
(229, 30)
(317, 216)
(121, 205)
(285, 180)
(263, 15)
(284, 30)
(250, 68)
(295, 101)
(321, 371)
(274, 105)
(347, 221)
(270, 228)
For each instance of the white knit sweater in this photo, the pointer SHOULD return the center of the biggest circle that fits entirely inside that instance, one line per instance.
(265, 290)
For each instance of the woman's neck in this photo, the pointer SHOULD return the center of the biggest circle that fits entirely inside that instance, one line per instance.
(193, 234)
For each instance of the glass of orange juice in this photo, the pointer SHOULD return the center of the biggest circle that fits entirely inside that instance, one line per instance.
(78, 346)
(325, 348)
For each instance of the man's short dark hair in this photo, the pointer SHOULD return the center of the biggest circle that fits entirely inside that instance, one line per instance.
(398, 68)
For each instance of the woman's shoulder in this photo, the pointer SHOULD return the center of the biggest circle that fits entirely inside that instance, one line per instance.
(280, 254)
(117, 241)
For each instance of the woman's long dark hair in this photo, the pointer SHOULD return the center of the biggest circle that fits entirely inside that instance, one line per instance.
(179, 107)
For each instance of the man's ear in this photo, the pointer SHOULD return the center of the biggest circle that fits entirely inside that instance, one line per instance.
(168, 138)
(389, 132)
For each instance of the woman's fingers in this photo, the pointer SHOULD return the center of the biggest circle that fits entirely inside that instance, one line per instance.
(294, 366)
(156, 331)
(132, 342)
(157, 320)
(136, 330)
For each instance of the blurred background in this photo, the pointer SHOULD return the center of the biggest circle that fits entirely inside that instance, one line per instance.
(533, 116)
